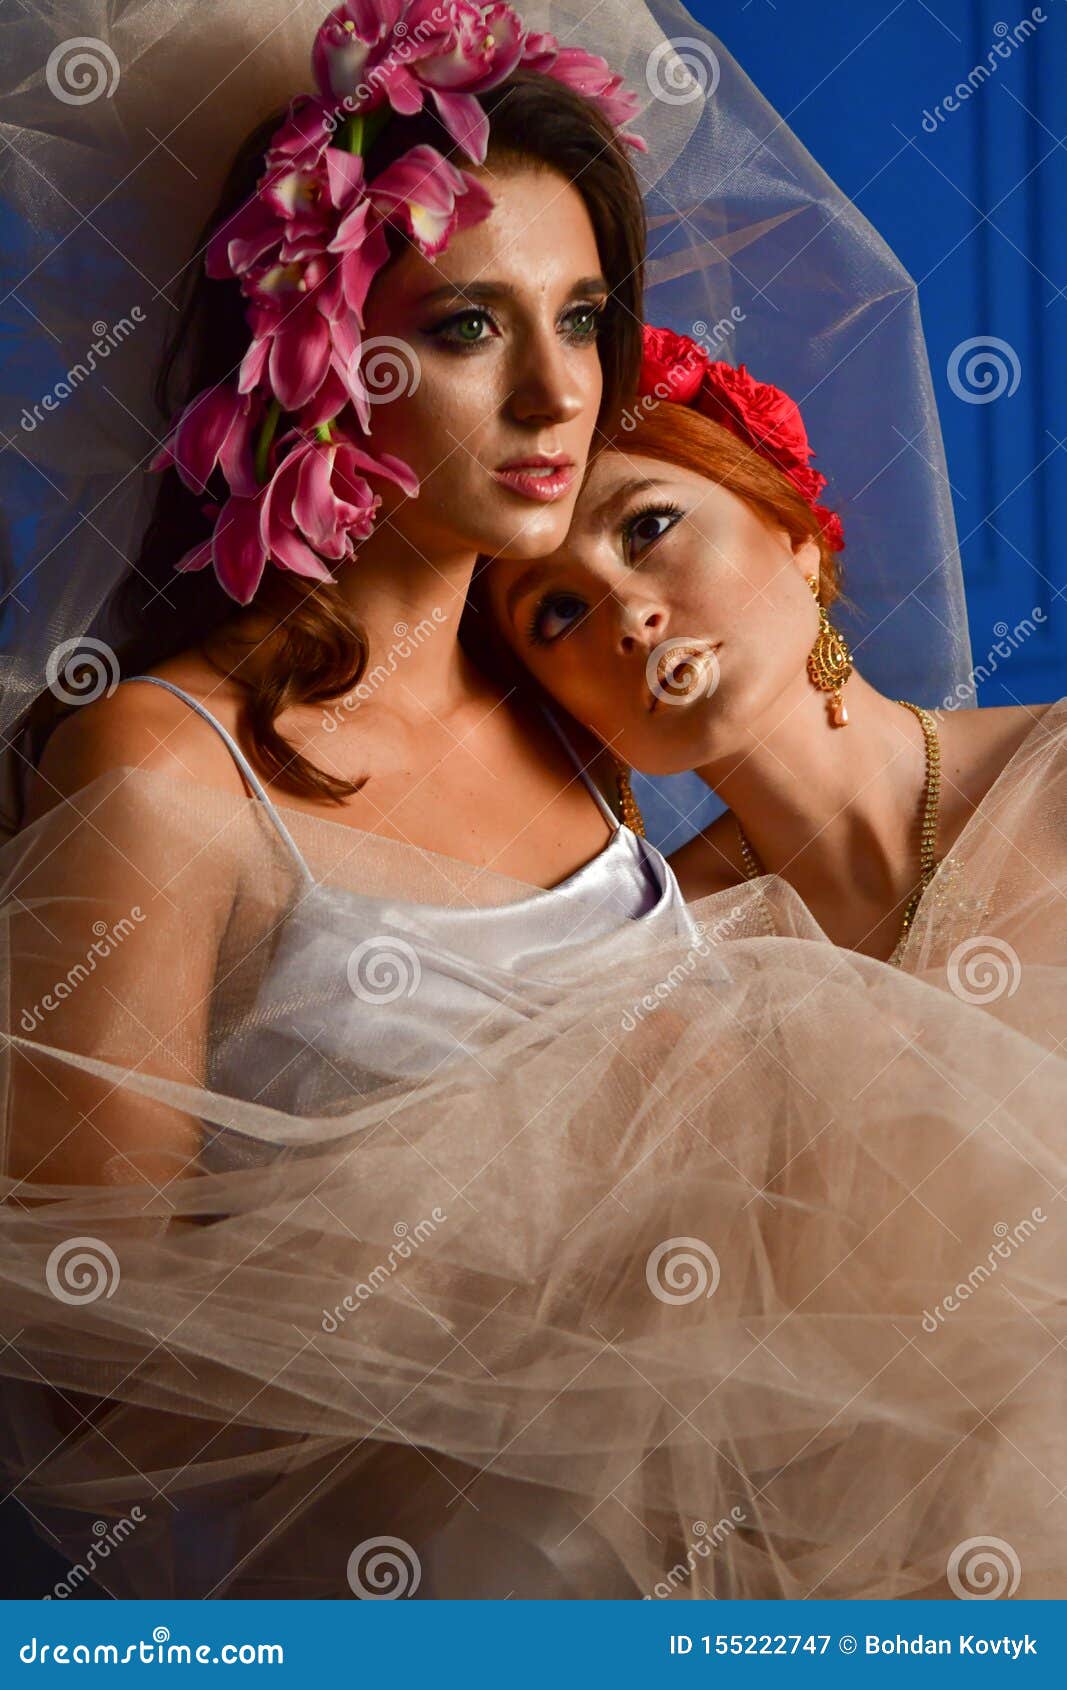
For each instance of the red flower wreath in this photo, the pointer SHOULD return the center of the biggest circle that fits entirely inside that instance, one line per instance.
(674, 367)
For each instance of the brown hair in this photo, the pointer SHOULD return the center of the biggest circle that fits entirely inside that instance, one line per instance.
(679, 435)
(318, 648)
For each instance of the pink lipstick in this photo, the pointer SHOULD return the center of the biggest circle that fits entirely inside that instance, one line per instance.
(542, 476)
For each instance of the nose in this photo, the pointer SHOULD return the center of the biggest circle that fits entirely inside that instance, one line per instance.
(547, 386)
(641, 628)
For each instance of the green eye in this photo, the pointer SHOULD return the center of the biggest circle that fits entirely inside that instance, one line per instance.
(463, 329)
(470, 326)
(584, 321)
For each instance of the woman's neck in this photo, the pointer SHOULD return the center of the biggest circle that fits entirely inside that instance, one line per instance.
(827, 807)
(408, 607)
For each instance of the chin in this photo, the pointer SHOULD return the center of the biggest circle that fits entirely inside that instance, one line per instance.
(524, 533)
(678, 740)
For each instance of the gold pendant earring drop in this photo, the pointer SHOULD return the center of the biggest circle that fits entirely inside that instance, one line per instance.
(829, 662)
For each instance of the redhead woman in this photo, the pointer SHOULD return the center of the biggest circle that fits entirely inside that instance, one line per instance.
(687, 623)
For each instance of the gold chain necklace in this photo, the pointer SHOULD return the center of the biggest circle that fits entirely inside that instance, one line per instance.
(628, 806)
(928, 860)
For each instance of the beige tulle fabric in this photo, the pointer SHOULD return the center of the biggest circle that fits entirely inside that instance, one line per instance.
(685, 1280)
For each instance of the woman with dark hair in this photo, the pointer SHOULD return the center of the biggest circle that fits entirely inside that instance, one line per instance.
(507, 348)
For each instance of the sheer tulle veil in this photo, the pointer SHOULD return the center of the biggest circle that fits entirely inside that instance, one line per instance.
(649, 1289)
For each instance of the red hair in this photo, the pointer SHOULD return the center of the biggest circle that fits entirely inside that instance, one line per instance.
(679, 435)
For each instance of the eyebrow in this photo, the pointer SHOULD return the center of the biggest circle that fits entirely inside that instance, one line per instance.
(625, 490)
(501, 290)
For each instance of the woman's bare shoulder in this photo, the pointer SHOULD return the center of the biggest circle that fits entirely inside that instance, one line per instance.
(978, 744)
(144, 727)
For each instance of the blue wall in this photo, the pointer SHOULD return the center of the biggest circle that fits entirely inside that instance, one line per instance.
(974, 202)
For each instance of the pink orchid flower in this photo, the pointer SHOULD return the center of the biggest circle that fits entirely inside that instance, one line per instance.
(217, 428)
(587, 74)
(451, 52)
(428, 198)
(309, 127)
(306, 248)
(318, 500)
(234, 547)
(305, 302)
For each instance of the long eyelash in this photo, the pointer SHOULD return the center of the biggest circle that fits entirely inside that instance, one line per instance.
(654, 507)
(592, 308)
(533, 632)
(437, 330)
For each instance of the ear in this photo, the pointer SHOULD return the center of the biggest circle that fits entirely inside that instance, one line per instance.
(807, 557)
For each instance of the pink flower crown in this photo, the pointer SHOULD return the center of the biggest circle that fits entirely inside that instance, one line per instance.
(306, 247)
(676, 368)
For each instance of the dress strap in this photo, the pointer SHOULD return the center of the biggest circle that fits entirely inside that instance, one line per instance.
(242, 762)
(602, 803)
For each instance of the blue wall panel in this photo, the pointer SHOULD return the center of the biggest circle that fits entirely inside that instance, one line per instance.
(974, 202)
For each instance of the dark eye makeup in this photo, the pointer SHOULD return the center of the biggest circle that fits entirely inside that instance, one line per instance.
(463, 328)
(551, 611)
(643, 518)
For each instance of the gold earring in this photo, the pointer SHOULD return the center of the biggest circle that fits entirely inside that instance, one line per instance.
(829, 661)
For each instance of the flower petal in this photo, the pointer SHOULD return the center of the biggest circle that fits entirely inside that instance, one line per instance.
(344, 176)
(290, 552)
(352, 459)
(198, 557)
(201, 433)
(237, 550)
(464, 118)
(299, 357)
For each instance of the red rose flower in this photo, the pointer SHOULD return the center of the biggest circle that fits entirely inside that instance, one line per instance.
(672, 365)
(767, 416)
